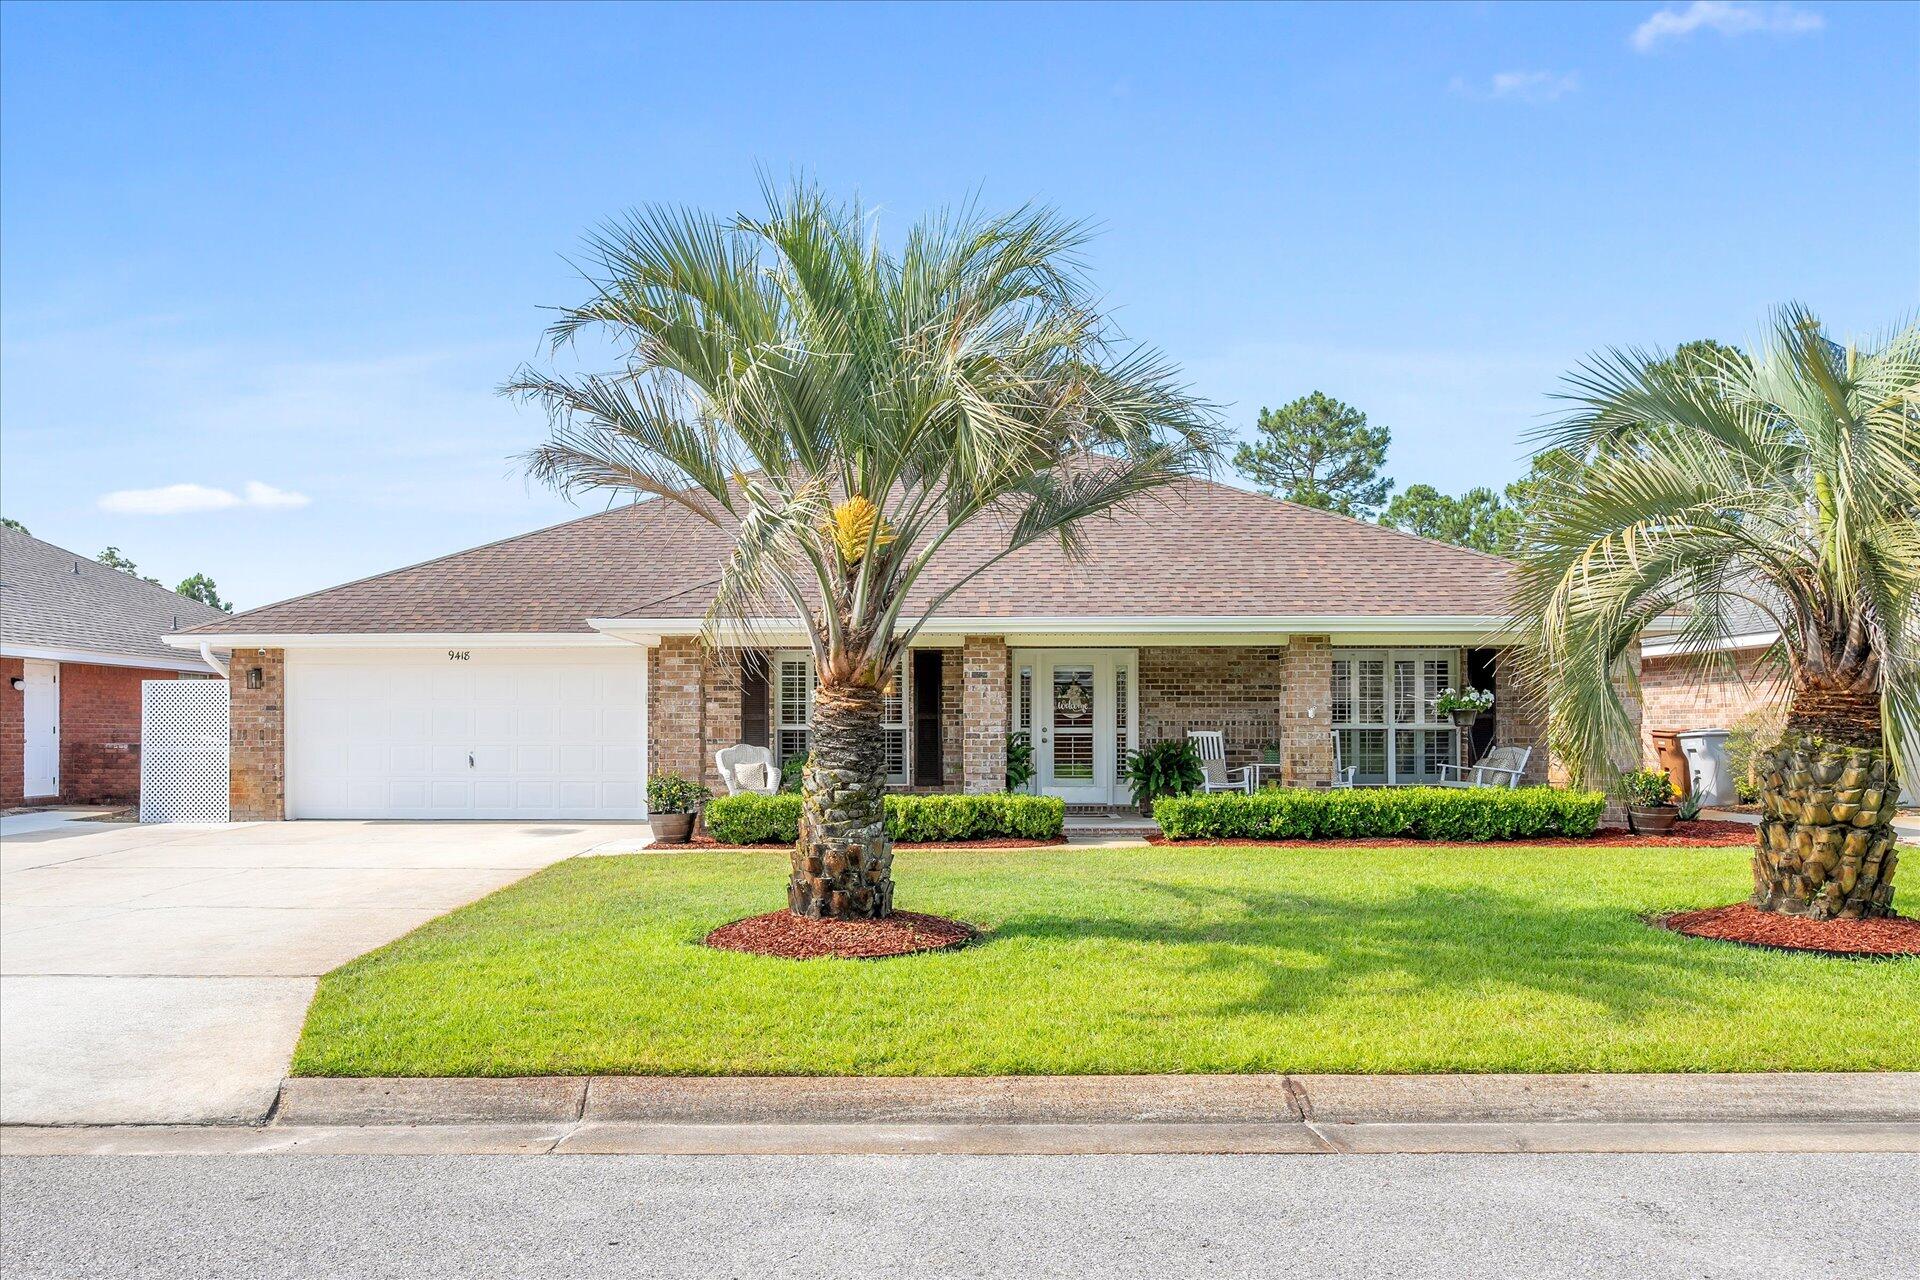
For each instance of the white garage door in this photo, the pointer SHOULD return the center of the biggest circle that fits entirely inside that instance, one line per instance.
(466, 733)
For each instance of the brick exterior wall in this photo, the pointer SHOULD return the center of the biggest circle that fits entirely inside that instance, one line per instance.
(676, 707)
(1253, 694)
(13, 734)
(986, 708)
(952, 721)
(1677, 693)
(694, 709)
(1306, 739)
(99, 732)
(1519, 717)
(1237, 690)
(720, 725)
(100, 712)
(257, 749)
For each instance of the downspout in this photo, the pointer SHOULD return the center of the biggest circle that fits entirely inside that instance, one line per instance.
(206, 654)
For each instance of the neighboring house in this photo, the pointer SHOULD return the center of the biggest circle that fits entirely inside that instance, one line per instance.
(544, 676)
(1678, 691)
(76, 640)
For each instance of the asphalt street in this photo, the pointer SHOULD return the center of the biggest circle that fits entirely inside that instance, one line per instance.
(1532, 1216)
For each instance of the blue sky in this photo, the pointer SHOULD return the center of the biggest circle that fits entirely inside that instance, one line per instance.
(285, 254)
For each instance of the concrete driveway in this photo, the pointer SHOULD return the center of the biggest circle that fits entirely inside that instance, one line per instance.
(154, 974)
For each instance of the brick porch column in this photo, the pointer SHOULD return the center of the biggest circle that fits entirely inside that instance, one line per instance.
(720, 720)
(675, 707)
(984, 711)
(257, 741)
(1306, 702)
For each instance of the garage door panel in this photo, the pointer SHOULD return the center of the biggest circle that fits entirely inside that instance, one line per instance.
(623, 689)
(493, 722)
(510, 734)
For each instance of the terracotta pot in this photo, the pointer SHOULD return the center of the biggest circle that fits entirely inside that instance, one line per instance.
(1652, 821)
(671, 828)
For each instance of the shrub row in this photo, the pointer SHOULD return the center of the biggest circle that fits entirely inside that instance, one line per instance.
(1421, 813)
(749, 819)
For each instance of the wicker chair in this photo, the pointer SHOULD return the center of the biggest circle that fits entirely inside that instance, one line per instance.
(732, 760)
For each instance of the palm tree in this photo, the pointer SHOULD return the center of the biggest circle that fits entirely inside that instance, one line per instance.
(1788, 482)
(845, 409)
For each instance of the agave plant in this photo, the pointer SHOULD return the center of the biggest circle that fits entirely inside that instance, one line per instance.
(845, 409)
(1787, 482)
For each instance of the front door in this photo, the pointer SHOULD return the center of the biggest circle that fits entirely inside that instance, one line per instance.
(1076, 706)
(41, 716)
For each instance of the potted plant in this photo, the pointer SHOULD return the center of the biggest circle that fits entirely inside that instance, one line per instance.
(1463, 705)
(1648, 794)
(1169, 767)
(1270, 753)
(671, 803)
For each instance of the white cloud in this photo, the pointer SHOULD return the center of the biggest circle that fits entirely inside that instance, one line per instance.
(265, 495)
(1520, 86)
(185, 499)
(1728, 17)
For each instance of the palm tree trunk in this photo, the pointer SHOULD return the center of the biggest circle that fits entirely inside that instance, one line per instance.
(843, 863)
(1826, 845)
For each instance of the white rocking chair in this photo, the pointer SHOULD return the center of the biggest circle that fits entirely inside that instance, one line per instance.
(1212, 746)
(1343, 774)
(747, 770)
(1500, 767)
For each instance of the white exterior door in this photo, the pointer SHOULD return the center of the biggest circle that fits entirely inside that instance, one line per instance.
(41, 716)
(467, 733)
(1077, 708)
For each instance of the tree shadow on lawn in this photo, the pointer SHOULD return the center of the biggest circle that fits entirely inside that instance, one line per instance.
(1464, 943)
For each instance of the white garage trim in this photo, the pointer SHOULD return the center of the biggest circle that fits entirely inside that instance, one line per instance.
(525, 734)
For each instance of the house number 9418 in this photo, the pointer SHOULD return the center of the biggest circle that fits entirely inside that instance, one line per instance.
(459, 655)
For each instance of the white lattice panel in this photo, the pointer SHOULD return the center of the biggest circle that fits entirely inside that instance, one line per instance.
(183, 751)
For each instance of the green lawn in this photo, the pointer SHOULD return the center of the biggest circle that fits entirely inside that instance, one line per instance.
(1123, 960)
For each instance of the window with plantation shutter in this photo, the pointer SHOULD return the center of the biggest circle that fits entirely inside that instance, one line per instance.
(794, 683)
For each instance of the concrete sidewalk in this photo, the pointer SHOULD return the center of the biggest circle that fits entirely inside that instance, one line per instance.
(1041, 1115)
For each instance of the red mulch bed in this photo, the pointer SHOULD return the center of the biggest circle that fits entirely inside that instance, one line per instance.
(707, 844)
(781, 933)
(1745, 923)
(1704, 834)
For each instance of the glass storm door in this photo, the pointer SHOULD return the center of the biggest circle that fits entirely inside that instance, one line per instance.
(1073, 704)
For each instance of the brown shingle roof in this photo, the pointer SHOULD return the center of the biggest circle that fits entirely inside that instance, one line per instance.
(1196, 549)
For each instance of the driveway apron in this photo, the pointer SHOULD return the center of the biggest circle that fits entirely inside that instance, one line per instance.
(160, 974)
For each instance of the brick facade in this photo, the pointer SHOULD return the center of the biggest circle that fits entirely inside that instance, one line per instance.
(1306, 738)
(257, 749)
(986, 709)
(1256, 695)
(952, 721)
(676, 708)
(13, 734)
(1520, 717)
(1677, 693)
(99, 732)
(100, 713)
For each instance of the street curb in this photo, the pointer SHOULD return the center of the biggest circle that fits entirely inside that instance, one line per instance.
(1284, 1138)
(1111, 1100)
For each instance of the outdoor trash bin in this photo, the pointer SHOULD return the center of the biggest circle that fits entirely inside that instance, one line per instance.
(1706, 752)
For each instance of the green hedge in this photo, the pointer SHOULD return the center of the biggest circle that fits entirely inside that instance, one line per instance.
(776, 819)
(1422, 813)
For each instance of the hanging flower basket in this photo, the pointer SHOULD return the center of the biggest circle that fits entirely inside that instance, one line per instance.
(1463, 706)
